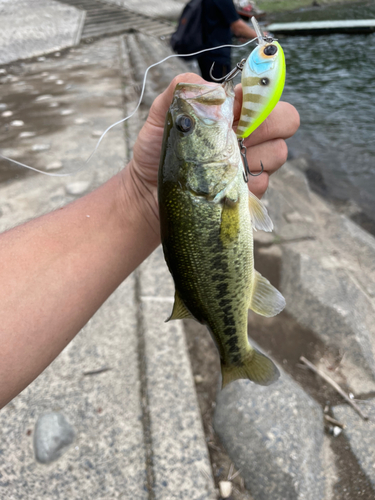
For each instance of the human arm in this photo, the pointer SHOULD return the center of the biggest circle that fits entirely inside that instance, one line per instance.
(57, 270)
(242, 30)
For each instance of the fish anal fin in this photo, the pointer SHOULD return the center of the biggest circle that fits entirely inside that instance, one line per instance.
(259, 215)
(257, 367)
(265, 300)
(179, 310)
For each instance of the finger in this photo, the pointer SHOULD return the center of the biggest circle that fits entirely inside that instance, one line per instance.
(258, 185)
(282, 123)
(273, 154)
(161, 104)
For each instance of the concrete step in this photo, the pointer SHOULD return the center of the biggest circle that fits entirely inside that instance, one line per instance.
(103, 19)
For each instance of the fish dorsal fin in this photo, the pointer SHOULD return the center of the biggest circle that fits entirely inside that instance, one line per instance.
(265, 299)
(179, 311)
(259, 215)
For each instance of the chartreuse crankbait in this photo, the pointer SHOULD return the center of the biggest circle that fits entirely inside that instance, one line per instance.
(263, 78)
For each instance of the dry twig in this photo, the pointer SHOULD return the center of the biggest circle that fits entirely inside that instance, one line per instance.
(334, 421)
(334, 385)
(96, 372)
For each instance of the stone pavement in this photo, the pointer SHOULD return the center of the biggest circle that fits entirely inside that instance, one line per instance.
(46, 26)
(43, 27)
(168, 9)
(123, 388)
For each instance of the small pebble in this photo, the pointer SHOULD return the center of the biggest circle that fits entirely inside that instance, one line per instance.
(54, 105)
(225, 488)
(336, 431)
(198, 379)
(80, 121)
(77, 188)
(57, 54)
(2, 71)
(43, 97)
(40, 147)
(52, 77)
(17, 123)
(66, 112)
(96, 133)
(59, 82)
(54, 165)
(41, 59)
(7, 113)
(52, 435)
(24, 135)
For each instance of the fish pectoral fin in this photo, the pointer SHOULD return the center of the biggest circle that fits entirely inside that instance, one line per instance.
(179, 310)
(265, 299)
(257, 367)
(259, 215)
(229, 195)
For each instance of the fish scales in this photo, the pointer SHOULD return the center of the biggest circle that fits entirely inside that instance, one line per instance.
(206, 227)
(206, 266)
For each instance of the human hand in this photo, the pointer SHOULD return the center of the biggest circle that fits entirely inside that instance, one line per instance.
(266, 144)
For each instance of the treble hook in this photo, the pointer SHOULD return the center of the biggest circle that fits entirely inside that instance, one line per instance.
(232, 74)
(245, 164)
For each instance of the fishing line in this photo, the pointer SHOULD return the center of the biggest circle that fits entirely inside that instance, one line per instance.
(131, 114)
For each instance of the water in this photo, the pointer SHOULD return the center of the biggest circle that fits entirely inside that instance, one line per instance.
(330, 80)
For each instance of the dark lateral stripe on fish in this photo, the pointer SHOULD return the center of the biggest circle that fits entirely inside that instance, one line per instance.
(253, 98)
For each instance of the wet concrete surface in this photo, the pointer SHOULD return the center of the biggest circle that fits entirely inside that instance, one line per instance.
(42, 99)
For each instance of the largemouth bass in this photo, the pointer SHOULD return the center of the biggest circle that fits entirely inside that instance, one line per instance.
(207, 215)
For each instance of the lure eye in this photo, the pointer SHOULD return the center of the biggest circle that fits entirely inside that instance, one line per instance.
(264, 81)
(184, 123)
(270, 50)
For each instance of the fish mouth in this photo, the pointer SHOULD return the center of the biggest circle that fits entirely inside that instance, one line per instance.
(210, 94)
(209, 102)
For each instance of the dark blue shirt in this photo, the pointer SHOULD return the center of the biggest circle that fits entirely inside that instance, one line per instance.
(217, 16)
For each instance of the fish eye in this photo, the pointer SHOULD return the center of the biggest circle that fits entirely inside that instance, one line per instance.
(270, 50)
(265, 81)
(184, 123)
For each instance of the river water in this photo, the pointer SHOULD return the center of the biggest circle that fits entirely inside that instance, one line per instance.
(330, 80)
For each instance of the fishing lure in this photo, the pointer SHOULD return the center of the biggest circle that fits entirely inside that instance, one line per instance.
(263, 79)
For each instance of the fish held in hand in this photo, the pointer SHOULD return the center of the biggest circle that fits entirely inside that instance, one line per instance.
(207, 216)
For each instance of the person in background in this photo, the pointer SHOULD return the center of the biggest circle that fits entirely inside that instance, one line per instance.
(219, 22)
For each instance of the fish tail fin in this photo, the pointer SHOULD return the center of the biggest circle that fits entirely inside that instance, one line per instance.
(257, 367)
